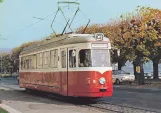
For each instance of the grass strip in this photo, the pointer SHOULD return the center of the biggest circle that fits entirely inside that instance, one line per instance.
(3, 111)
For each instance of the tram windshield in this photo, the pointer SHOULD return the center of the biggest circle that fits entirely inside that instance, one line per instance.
(94, 58)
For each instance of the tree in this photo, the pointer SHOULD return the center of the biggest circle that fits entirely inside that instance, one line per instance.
(6, 62)
(15, 55)
(128, 36)
(151, 19)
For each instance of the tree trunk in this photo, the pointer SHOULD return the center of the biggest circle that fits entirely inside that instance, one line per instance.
(119, 65)
(134, 68)
(155, 70)
(141, 73)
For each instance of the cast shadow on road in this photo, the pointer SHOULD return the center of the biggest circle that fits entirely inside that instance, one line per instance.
(42, 97)
(26, 96)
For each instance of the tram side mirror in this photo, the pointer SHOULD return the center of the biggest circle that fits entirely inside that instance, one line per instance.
(73, 53)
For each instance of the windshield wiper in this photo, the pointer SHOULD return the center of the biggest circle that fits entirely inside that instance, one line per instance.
(103, 62)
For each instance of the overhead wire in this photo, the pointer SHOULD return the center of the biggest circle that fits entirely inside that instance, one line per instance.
(42, 19)
(28, 26)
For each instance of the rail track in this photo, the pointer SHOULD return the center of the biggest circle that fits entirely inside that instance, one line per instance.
(116, 108)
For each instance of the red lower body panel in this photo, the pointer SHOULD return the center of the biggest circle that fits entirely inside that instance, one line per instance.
(78, 84)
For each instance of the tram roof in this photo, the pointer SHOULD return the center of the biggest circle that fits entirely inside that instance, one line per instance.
(62, 40)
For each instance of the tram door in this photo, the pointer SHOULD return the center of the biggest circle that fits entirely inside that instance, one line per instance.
(64, 71)
(72, 74)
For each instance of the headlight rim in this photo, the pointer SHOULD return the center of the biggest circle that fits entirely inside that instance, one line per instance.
(102, 80)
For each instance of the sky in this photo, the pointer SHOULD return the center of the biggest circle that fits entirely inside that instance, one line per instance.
(18, 25)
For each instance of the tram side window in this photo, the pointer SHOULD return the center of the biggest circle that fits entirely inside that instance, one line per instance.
(85, 58)
(30, 62)
(23, 63)
(54, 58)
(72, 58)
(33, 62)
(39, 60)
(27, 63)
(46, 59)
(63, 59)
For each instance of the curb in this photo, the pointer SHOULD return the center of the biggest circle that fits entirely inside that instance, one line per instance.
(9, 109)
(3, 88)
(140, 90)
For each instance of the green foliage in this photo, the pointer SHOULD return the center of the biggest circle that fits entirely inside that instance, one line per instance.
(7, 62)
(3, 111)
(1, 1)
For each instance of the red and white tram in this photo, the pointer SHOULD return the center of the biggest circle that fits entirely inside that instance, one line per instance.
(76, 65)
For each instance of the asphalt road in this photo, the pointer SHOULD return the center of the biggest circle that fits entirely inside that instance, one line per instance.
(39, 102)
(149, 99)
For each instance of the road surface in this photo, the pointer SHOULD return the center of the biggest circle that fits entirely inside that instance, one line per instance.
(144, 99)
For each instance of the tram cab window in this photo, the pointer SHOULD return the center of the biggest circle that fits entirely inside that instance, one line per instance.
(101, 58)
(72, 58)
(85, 58)
(94, 58)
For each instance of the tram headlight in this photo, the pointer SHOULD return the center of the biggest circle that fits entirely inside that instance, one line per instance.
(102, 80)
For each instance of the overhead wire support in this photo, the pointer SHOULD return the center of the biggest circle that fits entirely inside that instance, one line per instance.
(54, 20)
(68, 2)
(86, 27)
(67, 20)
(74, 17)
(65, 26)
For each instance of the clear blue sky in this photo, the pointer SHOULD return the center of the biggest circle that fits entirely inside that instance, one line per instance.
(16, 17)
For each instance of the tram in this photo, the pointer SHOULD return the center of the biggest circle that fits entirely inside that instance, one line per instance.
(75, 65)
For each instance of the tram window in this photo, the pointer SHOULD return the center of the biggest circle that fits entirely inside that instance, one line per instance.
(94, 58)
(30, 62)
(72, 58)
(39, 60)
(101, 58)
(54, 58)
(33, 62)
(22, 63)
(85, 58)
(27, 63)
(46, 59)
(63, 59)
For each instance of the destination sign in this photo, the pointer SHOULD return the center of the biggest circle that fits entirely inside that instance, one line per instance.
(99, 45)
